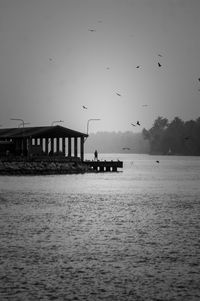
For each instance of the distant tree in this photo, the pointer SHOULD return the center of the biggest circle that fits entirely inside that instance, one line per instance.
(175, 136)
(178, 136)
(156, 134)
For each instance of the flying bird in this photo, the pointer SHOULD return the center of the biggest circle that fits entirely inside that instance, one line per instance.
(144, 105)
(199, 79)
(133, 124)
(160, 55)
(159, 64)
(137, 66)
(138, 123)
(118, 94)
(84, 107)
(126, 148)
(92, 30)
(157, 161)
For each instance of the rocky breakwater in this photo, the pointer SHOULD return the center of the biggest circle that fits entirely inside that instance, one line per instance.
(41, 168)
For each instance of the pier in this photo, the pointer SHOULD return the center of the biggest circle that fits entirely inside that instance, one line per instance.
(104, 166)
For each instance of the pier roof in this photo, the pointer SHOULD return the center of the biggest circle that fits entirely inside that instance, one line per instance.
(40, 132)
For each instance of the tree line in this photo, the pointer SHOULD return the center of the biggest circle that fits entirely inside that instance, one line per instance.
(176, 137)
(116, 142)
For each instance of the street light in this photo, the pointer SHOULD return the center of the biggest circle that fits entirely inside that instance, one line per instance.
(92, 119)
(23, 123)
(18, 120)
(56, 121)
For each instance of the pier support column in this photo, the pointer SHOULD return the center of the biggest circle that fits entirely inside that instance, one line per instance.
(101, 168)
(57, 145)
(41, 143)
(82, 149)
(29, 144)
(75, 147)
(114, 168)
(46, 145)
(52, 146)
(63, 146)
(69, 147)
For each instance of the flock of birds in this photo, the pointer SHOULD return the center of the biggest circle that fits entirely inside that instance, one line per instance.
(92, 30)
(120, 95)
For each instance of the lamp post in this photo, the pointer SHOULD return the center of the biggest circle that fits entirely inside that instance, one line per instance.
(56, 121)
(89, 120)
(19, 120)
(23, 123)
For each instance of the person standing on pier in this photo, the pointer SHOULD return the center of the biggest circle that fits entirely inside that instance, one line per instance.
(95, 155)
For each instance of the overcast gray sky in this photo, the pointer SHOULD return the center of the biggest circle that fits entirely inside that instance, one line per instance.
(51, 63)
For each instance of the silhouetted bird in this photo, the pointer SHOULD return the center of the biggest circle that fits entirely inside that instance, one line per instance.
(50, 59)
(84, 107)
(108, 68)
(126, 148)
(159, 65)
(137, 66)
(199, 79)
(133, 124)
(138, 123)
(92, 30)
(118, 94)
(144, 105)
(160, 55)
(157, 161)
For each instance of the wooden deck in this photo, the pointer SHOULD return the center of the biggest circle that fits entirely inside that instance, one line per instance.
(104, 166)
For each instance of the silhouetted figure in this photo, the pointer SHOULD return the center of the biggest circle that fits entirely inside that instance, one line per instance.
(95, 155)
(138, 123)
(159, 64)
(84, 107)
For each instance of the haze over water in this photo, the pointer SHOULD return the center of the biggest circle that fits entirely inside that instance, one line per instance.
(131, 235)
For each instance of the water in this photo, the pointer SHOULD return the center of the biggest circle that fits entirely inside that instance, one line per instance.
(131, 235)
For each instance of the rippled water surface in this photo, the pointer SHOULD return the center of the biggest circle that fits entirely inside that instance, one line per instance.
(131, 235)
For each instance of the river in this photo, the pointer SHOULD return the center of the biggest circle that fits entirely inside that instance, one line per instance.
(130, 235)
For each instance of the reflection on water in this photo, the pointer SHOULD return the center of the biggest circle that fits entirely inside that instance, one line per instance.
(132, 235)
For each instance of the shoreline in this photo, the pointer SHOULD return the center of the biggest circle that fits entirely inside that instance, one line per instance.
(41, 168)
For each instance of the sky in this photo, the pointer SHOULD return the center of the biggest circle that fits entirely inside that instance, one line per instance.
(57, 56)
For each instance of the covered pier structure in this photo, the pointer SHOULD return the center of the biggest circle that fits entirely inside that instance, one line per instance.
(43, 141)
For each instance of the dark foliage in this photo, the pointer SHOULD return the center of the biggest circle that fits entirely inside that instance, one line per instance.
(176, 138)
